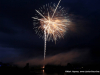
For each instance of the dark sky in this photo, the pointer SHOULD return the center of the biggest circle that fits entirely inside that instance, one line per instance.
(20, 44)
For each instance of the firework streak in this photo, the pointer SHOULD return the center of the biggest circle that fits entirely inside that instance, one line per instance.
(53, 21)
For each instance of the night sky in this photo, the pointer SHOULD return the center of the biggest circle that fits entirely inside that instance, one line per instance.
(19, 44)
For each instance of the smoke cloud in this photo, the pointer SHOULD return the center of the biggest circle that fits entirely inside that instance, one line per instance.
(76, 55)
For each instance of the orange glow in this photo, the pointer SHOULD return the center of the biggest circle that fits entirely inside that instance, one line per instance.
(43, 67)
(43, 71)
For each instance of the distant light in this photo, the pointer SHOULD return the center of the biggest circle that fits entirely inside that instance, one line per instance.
(43, 71)
(43, 67)
(0, 65)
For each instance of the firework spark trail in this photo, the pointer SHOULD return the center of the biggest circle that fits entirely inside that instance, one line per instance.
(45, 29)
(56, 8)
(54, 26)
(40, 14)
(44, 43)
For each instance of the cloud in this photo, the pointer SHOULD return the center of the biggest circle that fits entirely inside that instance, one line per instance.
(76, 55)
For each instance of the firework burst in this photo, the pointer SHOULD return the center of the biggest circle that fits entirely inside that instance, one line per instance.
(52, 20)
